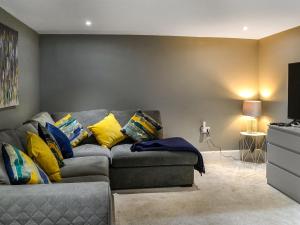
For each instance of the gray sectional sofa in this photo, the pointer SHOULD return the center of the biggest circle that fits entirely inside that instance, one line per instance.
(84, 196)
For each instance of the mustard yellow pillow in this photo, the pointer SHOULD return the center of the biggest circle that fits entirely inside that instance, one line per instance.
(107, 131)
(40, 152)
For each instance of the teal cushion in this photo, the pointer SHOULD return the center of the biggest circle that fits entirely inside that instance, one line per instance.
(20, 168)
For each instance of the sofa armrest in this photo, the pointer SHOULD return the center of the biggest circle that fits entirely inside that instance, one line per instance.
(77, 203)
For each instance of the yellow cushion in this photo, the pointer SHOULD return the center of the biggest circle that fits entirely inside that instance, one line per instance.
(107, 131)
(40, 152)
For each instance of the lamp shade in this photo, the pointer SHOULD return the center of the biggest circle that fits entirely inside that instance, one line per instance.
(252, 108)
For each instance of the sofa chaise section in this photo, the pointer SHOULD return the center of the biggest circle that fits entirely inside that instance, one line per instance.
(150, 169)
(91, 150)
(86, 201)
(83, 203)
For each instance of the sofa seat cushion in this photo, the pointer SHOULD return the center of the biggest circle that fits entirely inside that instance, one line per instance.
(83, 179)
(85, 166)
(122, 156)
(91, 150)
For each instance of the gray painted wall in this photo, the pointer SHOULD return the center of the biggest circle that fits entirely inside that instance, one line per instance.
(188, 79)
(28, 50)
(275, 53)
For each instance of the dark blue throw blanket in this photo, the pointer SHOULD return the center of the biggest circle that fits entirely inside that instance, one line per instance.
(170, 144)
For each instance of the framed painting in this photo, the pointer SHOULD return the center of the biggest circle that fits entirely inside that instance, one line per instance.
(9, 73)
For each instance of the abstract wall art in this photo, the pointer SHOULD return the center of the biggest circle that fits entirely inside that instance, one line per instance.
(9, 74)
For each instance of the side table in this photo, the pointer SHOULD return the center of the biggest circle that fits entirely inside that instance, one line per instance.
(253, 144)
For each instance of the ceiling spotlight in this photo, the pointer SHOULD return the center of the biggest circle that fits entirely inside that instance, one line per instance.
(245, 28)
(88, 23)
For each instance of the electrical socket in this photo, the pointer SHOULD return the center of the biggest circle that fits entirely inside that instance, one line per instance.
(205, 130)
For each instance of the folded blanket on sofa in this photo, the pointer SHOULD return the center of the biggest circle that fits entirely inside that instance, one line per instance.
(170, 144)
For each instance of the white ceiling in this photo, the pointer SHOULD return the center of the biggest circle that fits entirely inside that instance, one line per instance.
(198, 18)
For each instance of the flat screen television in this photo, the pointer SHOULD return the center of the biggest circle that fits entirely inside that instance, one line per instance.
(294, 91)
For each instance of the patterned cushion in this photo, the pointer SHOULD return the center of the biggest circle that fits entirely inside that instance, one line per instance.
(142, 127)
(39, 151)
(7, 136)
(86, 118)
(62, 140)
(107, 131)
(72, 129)
(50, 141)
(20, 168)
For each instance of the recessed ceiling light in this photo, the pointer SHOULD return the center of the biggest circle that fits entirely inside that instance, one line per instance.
(88, 23)
(245, 28)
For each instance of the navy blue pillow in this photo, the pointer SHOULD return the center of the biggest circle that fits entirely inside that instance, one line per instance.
(62, 140)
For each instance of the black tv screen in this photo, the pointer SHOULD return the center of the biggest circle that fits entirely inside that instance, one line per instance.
(294, 91)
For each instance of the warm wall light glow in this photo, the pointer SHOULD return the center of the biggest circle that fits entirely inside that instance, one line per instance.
(247, 94)
(264, 122)
(265, 93)
(236, 123)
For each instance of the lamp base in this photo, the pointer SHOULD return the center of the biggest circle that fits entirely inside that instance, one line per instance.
(251, 125)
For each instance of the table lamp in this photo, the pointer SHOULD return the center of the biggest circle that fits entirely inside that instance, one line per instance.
(252, 109)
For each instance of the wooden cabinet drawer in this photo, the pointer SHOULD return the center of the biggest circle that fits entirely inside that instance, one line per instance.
(284, 181)
(284, 158)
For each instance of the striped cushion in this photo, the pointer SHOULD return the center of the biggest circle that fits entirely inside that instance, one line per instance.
(142, 127)
(72, 129)
(20, 167)
(51, 142)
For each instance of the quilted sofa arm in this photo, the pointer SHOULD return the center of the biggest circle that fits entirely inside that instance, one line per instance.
(76, 203)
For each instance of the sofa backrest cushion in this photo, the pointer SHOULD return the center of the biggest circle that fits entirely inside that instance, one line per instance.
(42, 118)
(4, 179)
(86, 118)
(123, 116)
(10, 137)
(22, 133)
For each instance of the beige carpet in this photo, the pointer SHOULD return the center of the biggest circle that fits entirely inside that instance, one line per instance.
(230, 193)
